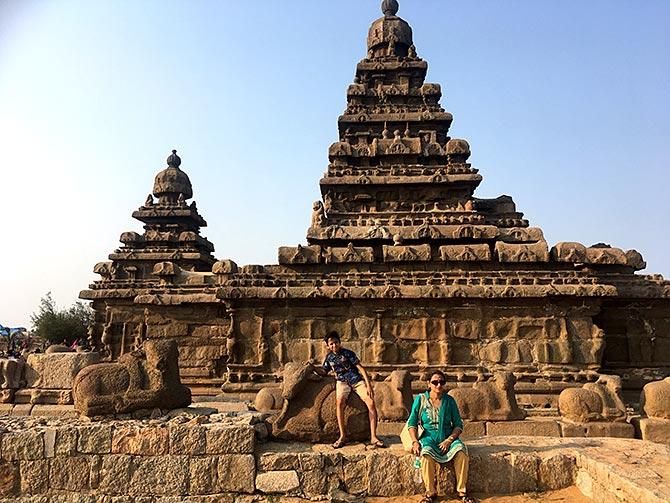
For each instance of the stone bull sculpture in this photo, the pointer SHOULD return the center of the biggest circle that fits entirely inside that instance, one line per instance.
(393, 397)
(655, 399)
(599, 401)
(308, 411)
(143, 379)
(493, 400)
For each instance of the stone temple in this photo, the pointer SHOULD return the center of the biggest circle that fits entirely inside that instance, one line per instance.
(401, 258)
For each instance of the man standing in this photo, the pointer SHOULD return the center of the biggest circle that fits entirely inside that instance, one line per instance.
(350, 375)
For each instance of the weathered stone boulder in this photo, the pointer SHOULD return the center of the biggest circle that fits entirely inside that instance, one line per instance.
(56, 370)
(308, 413)
(599, 401)
(143, 379)
(269, 399)
(11, 377)
(393, 396)
(493, 400)
(59, 348)
(655, 399)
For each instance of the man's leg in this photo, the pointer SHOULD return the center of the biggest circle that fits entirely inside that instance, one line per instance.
(428, 472)
(362, 391)
(461, 464)
(341, 395)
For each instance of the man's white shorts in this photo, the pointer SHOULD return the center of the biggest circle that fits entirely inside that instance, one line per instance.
(343, 389)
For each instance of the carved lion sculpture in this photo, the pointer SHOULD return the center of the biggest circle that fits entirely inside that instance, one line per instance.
(308, 413)
(655, 399)
(493, 400)
(599, 401)
(146, 378)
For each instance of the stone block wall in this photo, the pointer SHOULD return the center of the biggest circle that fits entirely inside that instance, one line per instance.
(133, 459)
(201, 459)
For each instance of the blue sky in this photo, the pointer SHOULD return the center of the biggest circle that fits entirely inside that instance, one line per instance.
(565, 105)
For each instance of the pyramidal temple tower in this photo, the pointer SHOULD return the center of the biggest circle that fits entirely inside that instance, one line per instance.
(401, 258)
(397, 182)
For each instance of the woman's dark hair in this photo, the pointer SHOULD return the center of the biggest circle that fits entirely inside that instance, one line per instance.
(332, 335)
(432, 373)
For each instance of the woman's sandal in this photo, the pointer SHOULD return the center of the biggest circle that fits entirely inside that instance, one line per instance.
(340, 442)
(468, 499)
(427, 499)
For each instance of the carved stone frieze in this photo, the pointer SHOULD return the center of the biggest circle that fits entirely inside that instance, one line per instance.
(417, 253)
(569, 252)
(521, 234)
(349, 254)
(465, 253)
(535, 252)
(300, 254)
(605, 256)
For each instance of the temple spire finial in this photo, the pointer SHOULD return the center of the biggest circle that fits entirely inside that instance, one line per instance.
(390, 7)
(174, 160)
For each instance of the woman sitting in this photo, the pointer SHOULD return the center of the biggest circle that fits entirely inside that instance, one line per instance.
(438, 413)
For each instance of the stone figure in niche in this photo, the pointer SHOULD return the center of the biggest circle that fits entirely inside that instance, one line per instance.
(492, 400)
(599, 401)
(655, 399)
(262, 350)
(231, 348)
(377, 347)
(147, 378)
(411, 53)
(149, 201)
(318, 214)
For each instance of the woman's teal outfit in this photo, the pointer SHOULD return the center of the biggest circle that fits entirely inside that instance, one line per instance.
(438, 425)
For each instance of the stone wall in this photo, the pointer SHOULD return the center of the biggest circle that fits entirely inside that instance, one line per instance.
(548, 347)
(211, 459)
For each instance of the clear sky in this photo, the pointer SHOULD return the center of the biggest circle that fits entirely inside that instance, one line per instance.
(565, 105)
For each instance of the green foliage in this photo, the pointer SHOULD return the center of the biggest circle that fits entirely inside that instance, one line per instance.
(58, 325)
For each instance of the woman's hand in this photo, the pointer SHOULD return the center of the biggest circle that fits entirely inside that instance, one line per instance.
(416, 448)
(445, 444)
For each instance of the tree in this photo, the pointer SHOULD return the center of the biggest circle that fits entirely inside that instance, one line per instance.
(58, 325)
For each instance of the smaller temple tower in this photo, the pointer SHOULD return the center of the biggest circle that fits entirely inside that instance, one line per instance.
(171, 231)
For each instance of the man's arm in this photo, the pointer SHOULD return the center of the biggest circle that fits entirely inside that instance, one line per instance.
(317, 369)
(361, 369)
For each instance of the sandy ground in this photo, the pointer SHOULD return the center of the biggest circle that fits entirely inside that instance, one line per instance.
(569, 495)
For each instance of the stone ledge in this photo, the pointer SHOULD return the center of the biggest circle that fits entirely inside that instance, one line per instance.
(529, 428)
(652, 429)
(598, 429)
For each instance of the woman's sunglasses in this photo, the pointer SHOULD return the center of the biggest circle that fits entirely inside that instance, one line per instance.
(438, 383)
